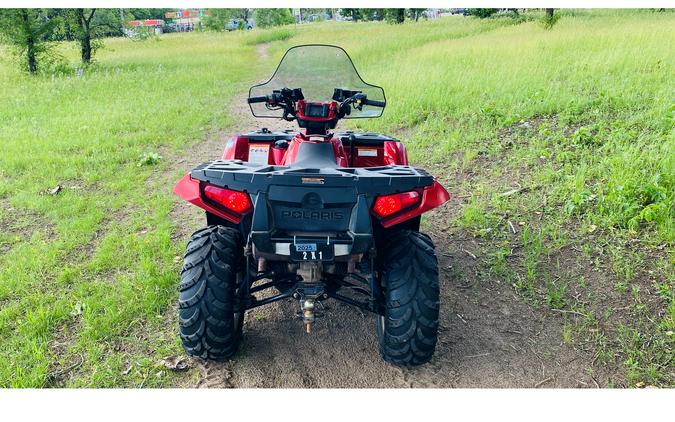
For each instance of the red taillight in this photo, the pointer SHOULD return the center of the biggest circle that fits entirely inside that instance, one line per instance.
(387, 205)
(233, 200)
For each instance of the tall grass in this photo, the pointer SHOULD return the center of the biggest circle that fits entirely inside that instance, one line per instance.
(268, 35)
(73, 265)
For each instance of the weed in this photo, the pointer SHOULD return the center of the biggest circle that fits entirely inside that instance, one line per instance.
(149, 159)
(579, 202)
(556, 294)
(532, 247)
(567, 332)
(498, 263)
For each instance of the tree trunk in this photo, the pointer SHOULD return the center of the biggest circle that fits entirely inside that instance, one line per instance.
(400, 15)
(32, 60)
(549, 12)
(30, 43)
(86, 47)
(85, 39)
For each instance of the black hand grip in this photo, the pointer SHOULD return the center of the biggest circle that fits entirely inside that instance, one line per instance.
(252, 100)
(374, 103)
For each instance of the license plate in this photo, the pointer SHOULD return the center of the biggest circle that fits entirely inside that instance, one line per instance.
(312, 252)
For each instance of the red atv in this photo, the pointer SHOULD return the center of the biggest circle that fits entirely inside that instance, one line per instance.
(312, 215)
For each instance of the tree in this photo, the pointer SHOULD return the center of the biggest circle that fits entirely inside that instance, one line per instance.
(395, 15)
(28, 31)
(218, 19)
(143, 13)
(314, 14)
(83, 32)
(416, 14)
(105, 23)
(88, 25)
(354, 13)
(372, 14)
(266, 18)
(482, 13)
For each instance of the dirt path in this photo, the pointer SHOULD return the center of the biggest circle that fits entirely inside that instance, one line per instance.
(488, 336)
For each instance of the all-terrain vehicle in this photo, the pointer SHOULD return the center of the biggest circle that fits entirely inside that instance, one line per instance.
(312, 215)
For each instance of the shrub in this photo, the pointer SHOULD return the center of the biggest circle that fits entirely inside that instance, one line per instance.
(149, 159)
(548, 21)
(266, 18)
(482, 13)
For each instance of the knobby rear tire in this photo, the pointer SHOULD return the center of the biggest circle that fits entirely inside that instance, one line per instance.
(214, 261)
(408, 331)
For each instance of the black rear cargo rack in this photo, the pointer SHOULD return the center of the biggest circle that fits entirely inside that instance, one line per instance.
(254, 178)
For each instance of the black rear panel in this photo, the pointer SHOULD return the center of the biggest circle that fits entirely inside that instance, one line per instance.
(311, 209)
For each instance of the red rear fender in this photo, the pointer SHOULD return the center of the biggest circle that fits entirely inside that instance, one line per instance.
(432, 197)
(236, 148)
(395, 153)
(189, 189)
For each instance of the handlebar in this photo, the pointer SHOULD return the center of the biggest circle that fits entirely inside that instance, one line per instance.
(253, 100)
(285, 99)
(374, 103)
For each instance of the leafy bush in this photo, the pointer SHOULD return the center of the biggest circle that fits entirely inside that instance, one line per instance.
(149, 159)
(636, 204)
(514, 17)
(579, 202)
(548, 21)
(266, 18)
(629, 205)
(482, 13)
(586, 136)
(394, 15)
(219, 19)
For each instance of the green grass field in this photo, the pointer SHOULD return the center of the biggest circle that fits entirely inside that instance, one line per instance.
(566, 137)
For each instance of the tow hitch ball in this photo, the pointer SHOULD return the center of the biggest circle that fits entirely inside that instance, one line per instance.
(308, 291)
(308, 314)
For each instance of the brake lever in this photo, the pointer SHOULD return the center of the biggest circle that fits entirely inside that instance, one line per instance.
(357, 100)
(285, 116)
(354, 100)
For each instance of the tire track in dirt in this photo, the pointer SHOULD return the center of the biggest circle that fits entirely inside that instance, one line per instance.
(488, 336)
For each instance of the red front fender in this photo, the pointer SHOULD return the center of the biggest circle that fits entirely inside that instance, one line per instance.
(189, 189)
(432, 197)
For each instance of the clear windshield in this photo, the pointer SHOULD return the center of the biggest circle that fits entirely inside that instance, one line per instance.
(318, 70)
